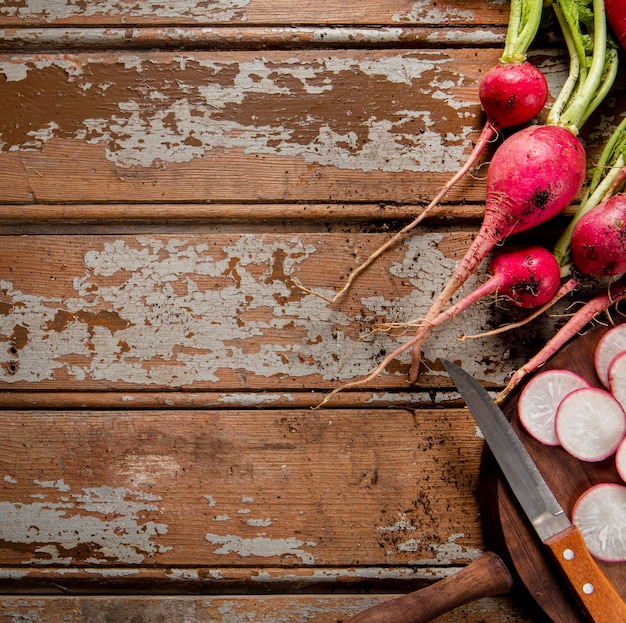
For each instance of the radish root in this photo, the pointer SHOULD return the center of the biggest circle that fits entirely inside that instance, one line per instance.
(488, 134)
(575, 324)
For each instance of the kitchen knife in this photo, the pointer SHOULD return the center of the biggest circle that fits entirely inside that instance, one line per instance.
(596, 595)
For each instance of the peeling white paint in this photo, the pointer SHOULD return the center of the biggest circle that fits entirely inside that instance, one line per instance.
(451, 551)
(262, 546)
(10, 480)
(143, 134)
(199, 10)
(111, 521)
(53, 484)
(425, 11)
(161, 320)
(259, 523)
(402, 524)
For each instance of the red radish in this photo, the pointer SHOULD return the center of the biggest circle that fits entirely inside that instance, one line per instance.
(616, 16)
(540, 399)
(610, 344)
(590, 424)
(533, 176)
(598, 244)
(617, 378)
(576, 323)
(620, 460)
(512, 94)
(600, 514)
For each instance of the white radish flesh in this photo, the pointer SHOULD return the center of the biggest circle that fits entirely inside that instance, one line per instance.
(590, 424)
(620, 460)
(610, 344)
(600, 514)
(540, 399)
(617, 378)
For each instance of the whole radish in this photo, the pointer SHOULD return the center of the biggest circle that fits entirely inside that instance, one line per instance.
(616, 16)
(598, 243)
(511, 94)
(537, 171)
(528, 276)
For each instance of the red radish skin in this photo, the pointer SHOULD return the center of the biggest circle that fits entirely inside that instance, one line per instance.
(620, 460)
(617, 378)
(512, 94)
(598, 243)
(540, 399)
(610, 344)
(600, 515)
(616, 16)
(590, 424)
(576, 323)
(533, 176)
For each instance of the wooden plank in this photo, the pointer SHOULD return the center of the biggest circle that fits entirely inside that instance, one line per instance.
(249, 36)
(306, 127)
(222, 312)
(334, 12)
(248, 489)
(227, 609)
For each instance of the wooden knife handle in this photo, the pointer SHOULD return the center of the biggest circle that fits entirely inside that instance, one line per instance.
(484, 577)
(597, 596)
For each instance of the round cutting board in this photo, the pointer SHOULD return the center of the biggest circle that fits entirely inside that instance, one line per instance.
(506, 527)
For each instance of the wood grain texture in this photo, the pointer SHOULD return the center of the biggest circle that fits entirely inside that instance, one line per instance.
(166, 170)
(344, 126)
(332, 12)
(222, 312)
(226, 609)
(249, 489)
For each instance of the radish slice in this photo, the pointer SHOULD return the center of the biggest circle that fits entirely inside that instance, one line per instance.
(540, 399)
(617, 378)
(611, 343)
(600, 514)
(590, 424)
(620, 460)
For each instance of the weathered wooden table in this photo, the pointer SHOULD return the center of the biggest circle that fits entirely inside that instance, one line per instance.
(167, 169)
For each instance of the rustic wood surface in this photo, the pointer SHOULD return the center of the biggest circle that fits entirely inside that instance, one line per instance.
(169, 172)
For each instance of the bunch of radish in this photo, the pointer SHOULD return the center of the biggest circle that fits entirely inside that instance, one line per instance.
(560, 408)
(593, 246)
(535, 173)
(538, 171)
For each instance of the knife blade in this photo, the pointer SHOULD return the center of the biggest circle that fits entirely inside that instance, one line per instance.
(596, 595)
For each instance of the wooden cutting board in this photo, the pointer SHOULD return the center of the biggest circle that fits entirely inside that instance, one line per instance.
(506, 528)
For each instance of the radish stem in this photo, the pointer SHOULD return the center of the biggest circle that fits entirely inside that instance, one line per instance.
(524, 20)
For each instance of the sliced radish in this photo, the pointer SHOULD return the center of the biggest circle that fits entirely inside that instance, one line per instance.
(611, 343)
(590, 424)
(600, 514)
(540, 399)
(617, 378)
(620, 460)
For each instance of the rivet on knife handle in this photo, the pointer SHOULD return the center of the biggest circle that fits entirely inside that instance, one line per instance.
(596, 594)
